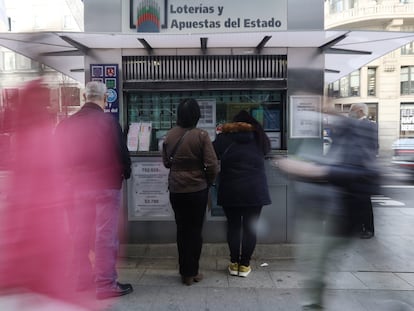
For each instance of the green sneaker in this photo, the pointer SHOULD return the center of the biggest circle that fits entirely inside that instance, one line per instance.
(233, 268)
(244, 271)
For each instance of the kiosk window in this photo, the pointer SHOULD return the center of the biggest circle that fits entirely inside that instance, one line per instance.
(156, 112)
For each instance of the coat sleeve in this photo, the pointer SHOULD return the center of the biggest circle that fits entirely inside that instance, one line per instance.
(220, 144)
(209, 158)
(123, 151)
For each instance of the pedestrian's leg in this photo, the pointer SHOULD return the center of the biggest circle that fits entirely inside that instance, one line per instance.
(83, 216)
(249, 233)
(366, 215)
(178, 205)
(195, 228)
(106, 242)
(189, 209)
(234, 225)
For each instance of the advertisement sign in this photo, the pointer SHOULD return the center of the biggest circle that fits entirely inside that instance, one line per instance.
(193, 16)
(407, 118)
(305, 117)
(208, 113)
(108, 74)
(149, 191)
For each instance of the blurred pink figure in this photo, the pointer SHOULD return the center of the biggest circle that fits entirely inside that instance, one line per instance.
(35, 246)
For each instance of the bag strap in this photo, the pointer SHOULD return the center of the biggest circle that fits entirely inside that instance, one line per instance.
(171, 157)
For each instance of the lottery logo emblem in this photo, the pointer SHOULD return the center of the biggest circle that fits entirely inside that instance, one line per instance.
(112, 96)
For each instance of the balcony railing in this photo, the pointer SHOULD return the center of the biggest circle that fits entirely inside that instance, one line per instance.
(392, 10)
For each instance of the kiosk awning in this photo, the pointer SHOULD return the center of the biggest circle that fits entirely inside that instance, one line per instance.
(345, 51)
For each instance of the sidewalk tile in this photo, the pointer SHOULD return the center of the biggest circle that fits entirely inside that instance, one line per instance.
(126, 275)
(288, 279)
(160, 277)
(408, 277)
(344, 280)
(383, 280)
(256, 279)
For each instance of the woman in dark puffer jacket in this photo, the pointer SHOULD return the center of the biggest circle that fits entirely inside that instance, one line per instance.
(242, 189)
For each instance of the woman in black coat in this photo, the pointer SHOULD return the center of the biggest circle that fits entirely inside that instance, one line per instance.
(242, 190)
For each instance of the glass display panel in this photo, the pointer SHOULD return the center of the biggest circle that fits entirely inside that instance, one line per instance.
(217, 107)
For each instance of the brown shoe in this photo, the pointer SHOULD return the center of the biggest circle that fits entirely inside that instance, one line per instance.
(198, 277)
(187, 280)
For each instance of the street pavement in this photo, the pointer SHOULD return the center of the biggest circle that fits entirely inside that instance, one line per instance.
(374, 274)
(369, 275)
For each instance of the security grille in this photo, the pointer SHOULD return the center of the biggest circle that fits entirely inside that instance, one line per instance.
(204, 67)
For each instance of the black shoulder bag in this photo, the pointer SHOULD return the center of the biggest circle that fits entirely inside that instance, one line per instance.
(170, 158)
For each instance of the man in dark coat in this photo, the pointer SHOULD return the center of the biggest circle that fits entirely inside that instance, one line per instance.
(95, 162)
(369, 143)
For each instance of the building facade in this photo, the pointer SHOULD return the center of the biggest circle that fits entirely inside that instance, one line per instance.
(19, 16)
(387, 84)
(229, 55)
(216, 54)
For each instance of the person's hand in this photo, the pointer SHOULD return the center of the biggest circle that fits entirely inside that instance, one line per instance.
(302, 169)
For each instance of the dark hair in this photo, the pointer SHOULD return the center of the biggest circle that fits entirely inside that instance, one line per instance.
(261, 138)
(188, 113)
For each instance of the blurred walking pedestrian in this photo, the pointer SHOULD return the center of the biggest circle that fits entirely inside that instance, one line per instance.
(329, 197)
(34, 236)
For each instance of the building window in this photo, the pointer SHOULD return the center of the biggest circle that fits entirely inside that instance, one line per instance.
(407, 80)
(333, 89)
(344, 86)
(39, 22)
(9, 61)
(408, 49)
(372, 110)
(372, 81)
(10, 97)
(347, 86)
(68, 22)
(354, 84)
(407, 120)
(23, 63)
(70, 96)
(337, 6)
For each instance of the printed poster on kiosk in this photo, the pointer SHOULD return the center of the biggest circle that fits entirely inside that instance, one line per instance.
(149, 195)
(305, 117)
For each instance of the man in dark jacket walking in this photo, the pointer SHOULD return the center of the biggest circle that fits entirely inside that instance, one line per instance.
(95, 162)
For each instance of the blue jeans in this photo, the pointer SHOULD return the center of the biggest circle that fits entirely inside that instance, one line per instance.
(96, 228)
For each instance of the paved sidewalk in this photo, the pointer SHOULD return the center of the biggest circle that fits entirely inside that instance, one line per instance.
(370, 275)
(375, 274)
